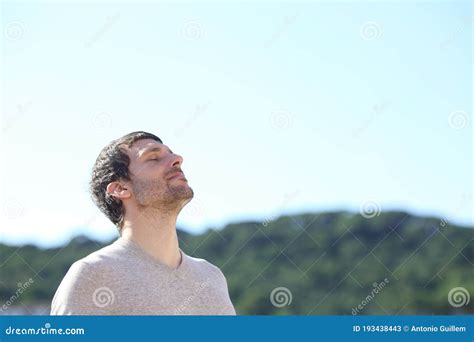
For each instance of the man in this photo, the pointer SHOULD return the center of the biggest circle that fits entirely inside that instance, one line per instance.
(138, 183)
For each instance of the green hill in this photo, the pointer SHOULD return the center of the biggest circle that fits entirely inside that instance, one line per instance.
(327, 263)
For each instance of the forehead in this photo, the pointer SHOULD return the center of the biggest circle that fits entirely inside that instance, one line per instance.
(140, 147)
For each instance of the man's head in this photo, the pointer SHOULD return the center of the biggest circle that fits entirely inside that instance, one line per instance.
(138, 171)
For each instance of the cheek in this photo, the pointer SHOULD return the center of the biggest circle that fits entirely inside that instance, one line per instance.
(148, 184)
(156, 170)
(152, 172)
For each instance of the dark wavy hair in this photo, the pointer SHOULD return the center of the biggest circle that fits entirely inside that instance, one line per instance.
(112, 165)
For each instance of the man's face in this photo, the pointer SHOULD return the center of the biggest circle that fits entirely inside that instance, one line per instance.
(156, 177)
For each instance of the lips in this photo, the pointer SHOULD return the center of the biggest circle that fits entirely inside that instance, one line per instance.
(178, 174)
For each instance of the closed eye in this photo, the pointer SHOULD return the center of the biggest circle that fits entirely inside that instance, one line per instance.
(155, 157)
(157, 154)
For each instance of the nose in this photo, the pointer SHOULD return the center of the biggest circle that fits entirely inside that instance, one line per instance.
(177, 160)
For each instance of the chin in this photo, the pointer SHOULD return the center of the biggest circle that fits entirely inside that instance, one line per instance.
(184, 191)
(191, 192)
(188, 198)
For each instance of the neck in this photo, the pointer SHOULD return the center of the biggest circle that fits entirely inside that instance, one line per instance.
(155, 232)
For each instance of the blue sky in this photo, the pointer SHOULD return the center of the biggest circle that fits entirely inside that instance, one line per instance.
(275, 107)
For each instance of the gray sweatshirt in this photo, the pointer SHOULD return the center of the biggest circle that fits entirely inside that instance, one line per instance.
(123, 279)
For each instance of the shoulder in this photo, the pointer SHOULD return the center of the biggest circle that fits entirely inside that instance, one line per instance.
(107, 253)
(205, 266)
(90, 270)
(100, 261)
(80, 291)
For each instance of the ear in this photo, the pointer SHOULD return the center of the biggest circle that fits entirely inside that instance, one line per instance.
(118, 190)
